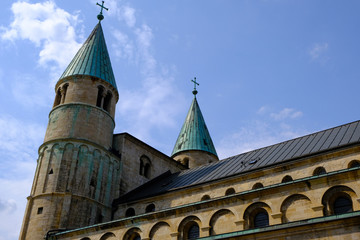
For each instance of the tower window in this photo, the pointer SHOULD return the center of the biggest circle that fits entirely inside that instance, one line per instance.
(63, 92)
(57, 98)
(100, 96)
(40, 210)
(145, 166)
(107, 102)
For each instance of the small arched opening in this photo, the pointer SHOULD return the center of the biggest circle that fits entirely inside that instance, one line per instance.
(257, 186)
(319, 171)
(229, 191)
(130, 212)
(287, 178)
(150, 208)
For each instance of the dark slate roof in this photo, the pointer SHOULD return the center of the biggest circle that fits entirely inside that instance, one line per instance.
(92, 59)
(308, 145)
(194, 134)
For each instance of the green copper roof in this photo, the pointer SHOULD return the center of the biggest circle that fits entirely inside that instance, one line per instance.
(194, 134)
(92, 59)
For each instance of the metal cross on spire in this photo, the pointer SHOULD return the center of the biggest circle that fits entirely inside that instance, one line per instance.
(101, 16)
(195, 83)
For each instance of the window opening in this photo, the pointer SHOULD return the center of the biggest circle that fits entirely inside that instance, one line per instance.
(150, 208)
(193, 232)
(342, 205)
(261, 219)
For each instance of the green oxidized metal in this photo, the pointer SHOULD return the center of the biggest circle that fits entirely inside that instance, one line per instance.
(194, 134)
(92, 59)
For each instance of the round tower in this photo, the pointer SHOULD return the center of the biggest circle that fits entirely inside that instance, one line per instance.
(194, 146)
(77, 174)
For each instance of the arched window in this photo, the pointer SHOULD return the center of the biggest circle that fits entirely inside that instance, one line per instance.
(261, 219)
(185, 162)
(145, 166)
(63, 92)
(338, 200)
(150, 208)
(230, 191)
(100, 96)
(287, 178)
(193, 231)
(130, 212)
(107, 102)
(342, 205)
(354, 164)
(147, 170)
(256, 215)
(57, 98)
(205, 197)
(319, 171)
(132, 234)
(258, 185)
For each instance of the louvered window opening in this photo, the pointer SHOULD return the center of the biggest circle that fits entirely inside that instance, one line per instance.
(261, 220)
(193, 232)
(342, 205)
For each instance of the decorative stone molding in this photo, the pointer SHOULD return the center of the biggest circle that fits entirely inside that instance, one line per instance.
(276, 215)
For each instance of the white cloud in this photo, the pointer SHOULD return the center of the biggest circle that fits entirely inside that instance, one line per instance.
(48, 27)
(19, 141)
(129, 16)
(286, 113)
(318, 50)
(123, 47)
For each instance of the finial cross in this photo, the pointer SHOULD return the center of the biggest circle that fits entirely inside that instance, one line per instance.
(195, 83)
(102, 7)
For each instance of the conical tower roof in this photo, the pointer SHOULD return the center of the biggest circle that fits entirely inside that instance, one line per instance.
(92, 59)
(194, 134)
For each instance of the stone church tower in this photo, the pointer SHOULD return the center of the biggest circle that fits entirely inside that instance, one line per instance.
(78, 174)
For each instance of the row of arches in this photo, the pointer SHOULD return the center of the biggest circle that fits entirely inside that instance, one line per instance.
(103, 99)
(336, 200)
(317, 172)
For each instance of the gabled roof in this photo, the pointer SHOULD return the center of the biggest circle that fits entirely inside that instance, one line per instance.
(194, 134)
(309, 145)
(92, 59)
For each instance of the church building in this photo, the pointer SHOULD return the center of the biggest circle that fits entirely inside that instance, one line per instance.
(92, 184)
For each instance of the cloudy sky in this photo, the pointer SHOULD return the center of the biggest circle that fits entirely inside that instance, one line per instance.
(268, 70)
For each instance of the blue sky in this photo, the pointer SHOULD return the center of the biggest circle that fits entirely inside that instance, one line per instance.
(268, 70)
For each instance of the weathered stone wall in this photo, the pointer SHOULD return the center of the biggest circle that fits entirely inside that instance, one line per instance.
(81, 121)
(194, 158)
(132, 150)
(289, 205)
(74, 186)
